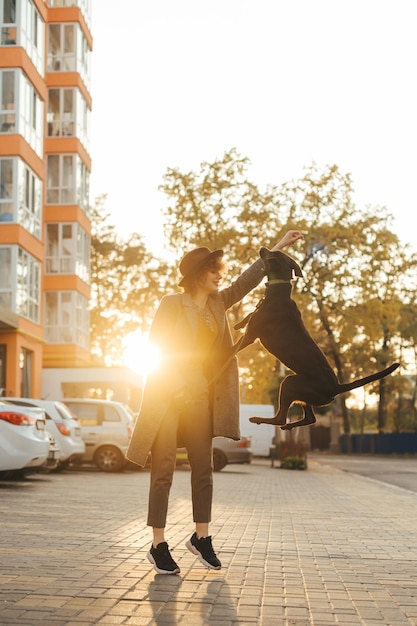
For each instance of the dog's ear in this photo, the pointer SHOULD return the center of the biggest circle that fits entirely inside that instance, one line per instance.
(296, 269)
(263, 252)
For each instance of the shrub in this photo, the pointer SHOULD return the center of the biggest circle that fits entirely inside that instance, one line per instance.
(294, 462)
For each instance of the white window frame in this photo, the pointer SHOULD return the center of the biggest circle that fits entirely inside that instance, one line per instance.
(25, 115)
(69, 184)
(24, 202)
(68, 52)
(69, 321)
(30, 199)
(7, 271)
(60, 260)
(28, 285)
(62, 123)
(26, 30)
(8, 190)
(24, 290)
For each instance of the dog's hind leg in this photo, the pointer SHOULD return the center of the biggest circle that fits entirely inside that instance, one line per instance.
(285, 399)
(309, 418)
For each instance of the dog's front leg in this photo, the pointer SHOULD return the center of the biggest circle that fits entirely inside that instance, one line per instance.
(309, 418)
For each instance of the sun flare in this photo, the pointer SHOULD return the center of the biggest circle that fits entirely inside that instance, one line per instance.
(139, 354)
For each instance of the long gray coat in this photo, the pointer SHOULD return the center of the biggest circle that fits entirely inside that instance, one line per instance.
(174, 329)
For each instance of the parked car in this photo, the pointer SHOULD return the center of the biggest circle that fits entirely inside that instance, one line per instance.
(106, 428)
(225, 451)
(60, 423)
(24, 441)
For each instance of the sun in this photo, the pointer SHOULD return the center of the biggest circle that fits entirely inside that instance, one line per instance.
(139, 354)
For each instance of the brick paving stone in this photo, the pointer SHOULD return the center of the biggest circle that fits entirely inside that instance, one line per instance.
(314, 548)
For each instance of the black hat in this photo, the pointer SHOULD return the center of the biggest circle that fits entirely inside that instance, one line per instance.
(193, 261)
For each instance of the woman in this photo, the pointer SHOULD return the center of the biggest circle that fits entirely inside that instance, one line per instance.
(180, 406)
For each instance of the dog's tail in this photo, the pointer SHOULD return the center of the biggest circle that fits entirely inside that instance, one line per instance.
(368, 379)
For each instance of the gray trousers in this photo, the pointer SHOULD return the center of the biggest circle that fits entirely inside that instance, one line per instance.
(191, 424)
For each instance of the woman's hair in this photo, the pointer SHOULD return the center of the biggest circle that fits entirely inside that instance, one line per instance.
(217, 264)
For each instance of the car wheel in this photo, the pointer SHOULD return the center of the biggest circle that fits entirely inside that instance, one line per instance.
(109, 459)
(219, 460)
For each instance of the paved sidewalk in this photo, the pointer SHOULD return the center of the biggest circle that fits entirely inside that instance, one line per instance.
(316, 547)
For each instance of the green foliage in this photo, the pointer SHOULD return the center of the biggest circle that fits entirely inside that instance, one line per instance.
(358, 293)
(294, 463)
(357, 275)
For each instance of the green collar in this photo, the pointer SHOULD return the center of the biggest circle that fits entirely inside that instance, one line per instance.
(278, 281)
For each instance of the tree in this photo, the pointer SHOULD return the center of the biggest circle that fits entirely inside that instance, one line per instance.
(219, 207)
(352, 261)
(354, 272)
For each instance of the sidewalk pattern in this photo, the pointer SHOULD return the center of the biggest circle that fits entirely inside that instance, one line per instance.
(299, 548)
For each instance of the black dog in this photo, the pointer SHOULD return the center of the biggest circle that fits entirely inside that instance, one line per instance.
(278, 324)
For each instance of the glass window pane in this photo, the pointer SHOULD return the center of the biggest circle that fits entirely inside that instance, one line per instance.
(9, 11)
(5, 268)
(69, 39)
(53, 112)
(67, 172)
(53, 170)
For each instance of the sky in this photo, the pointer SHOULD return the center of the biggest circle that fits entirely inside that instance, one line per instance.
(287, 83)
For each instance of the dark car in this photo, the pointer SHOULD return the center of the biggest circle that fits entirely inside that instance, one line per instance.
(225, 452)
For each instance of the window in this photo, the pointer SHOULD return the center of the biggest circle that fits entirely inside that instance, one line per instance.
(30, 200)
(61, 112)
(6, 293)
(27, 196)
(87, 414)
(67, 250)
(8, 22)
(61, 51)
(7, 102)
(66, 318)
(30, 114)
(28, 286)
(111, 414)
(26, 30)
(20, 275)
(67, 180)
(7, 190)
(60, 186)
(68, 114)
(21, 108)
(68, 50)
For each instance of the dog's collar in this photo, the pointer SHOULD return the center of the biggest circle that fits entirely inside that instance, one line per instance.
(278, 281)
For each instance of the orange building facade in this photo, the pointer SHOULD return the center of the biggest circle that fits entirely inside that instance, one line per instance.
(45, 105)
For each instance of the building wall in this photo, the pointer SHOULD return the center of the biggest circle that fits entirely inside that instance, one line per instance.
(108, 383)
(45, 104)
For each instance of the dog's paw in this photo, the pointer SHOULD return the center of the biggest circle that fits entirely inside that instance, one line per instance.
(256, 420)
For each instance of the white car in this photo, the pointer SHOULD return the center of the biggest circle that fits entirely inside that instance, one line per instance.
(106, 429)
(60, 423)
(24, 441)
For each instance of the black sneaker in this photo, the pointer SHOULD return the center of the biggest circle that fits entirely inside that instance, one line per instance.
(204, 550)
(161, 559)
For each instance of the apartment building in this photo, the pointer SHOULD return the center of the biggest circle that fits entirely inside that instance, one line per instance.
(45, 105)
